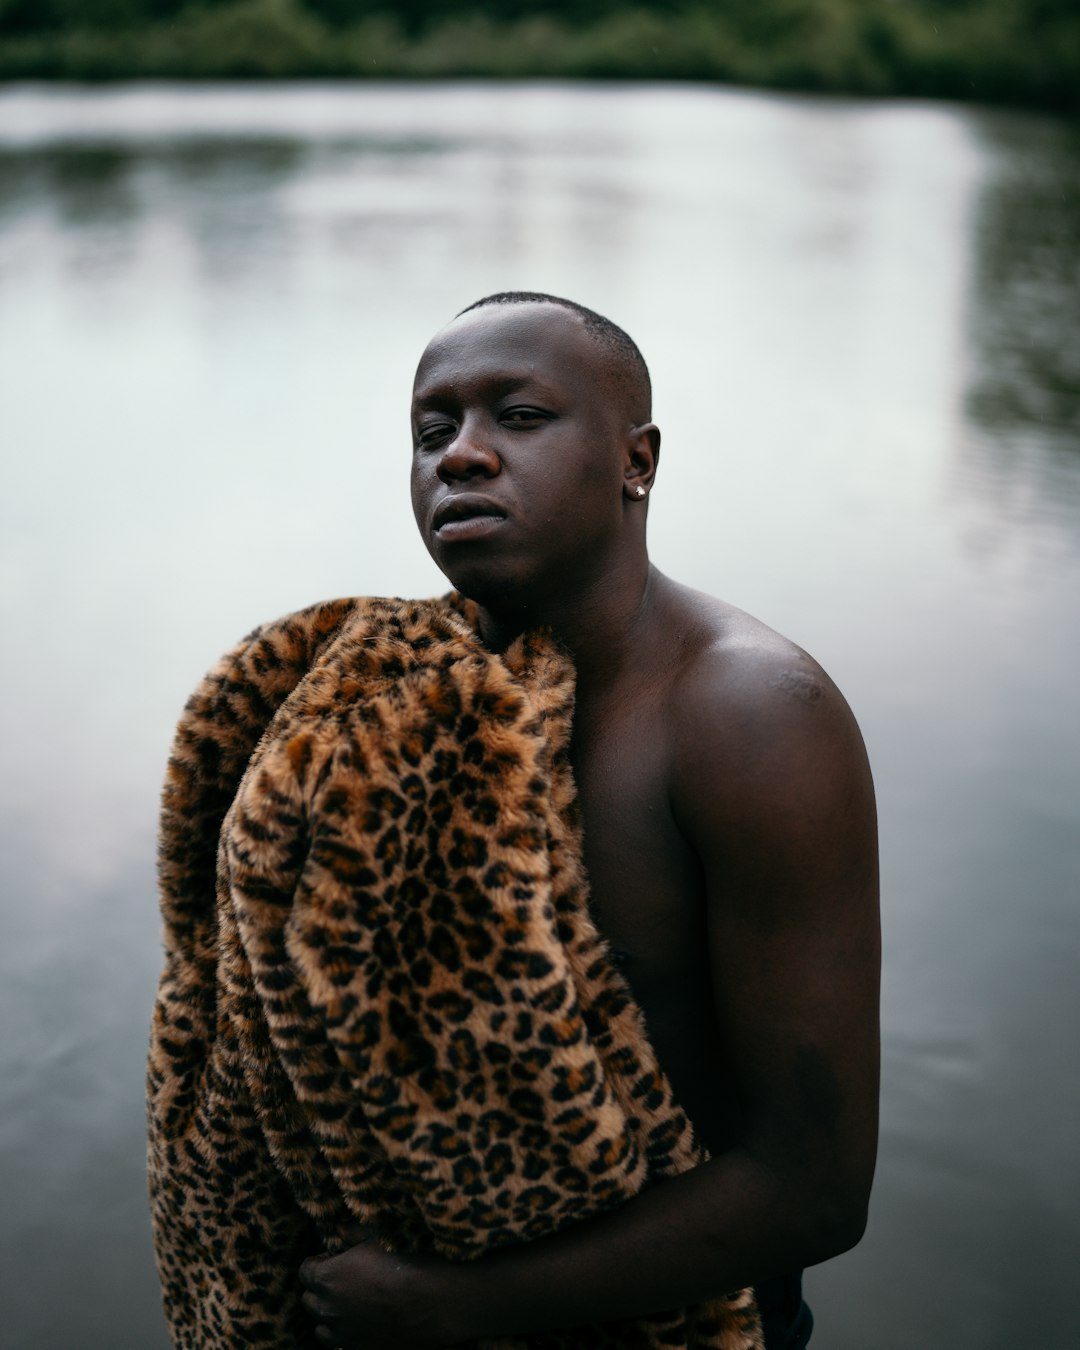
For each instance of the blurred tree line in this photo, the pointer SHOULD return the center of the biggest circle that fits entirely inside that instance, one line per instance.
(1017, 51)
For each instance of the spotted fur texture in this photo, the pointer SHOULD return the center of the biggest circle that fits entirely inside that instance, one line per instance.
(384, 999)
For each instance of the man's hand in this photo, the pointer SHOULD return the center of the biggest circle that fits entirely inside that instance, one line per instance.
(370, 1298)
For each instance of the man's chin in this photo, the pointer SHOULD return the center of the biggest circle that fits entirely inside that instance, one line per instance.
(491, 587)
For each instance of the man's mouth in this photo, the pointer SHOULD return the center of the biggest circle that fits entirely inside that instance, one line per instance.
(466, 515)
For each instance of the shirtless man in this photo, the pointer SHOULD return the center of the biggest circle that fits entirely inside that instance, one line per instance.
(730, 842)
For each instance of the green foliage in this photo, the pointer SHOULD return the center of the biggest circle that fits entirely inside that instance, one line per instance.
(255, 38)
(1025, 51)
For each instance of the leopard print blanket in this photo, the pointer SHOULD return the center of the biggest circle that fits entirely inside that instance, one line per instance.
(384, 1000)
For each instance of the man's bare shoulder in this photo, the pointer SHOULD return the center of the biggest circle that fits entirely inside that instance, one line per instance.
(749, 705)
(768, 780)
(733, 665)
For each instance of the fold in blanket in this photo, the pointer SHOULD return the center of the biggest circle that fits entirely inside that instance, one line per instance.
(384, 999)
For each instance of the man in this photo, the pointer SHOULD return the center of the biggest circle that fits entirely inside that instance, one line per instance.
(729, 838)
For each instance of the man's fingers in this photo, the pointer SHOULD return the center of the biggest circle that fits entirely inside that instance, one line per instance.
(315, 1307)
(311, 1268)
(309, 1271)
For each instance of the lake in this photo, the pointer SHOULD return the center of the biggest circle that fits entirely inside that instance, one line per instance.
(863, 321)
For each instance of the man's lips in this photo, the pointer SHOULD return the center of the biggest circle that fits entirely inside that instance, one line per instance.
(466, 514)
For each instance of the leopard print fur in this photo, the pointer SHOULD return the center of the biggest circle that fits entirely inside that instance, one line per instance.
(384, 1000)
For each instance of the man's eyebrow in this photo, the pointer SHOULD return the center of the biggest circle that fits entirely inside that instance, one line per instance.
(497, 386)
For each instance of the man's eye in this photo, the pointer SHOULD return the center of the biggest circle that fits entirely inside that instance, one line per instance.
(434, 434)
(521, 417)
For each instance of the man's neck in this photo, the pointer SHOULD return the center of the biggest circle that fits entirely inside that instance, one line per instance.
(601, 625)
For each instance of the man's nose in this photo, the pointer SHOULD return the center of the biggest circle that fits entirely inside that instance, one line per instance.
(468, 455)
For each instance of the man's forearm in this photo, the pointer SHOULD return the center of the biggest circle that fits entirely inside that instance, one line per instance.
(729, 1223)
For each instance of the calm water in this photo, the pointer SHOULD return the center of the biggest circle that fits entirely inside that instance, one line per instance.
(864, 325)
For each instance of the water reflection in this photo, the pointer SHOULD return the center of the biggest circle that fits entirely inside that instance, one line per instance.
(1023, 400)
(224, 195)
(862, 324)
(244, 203)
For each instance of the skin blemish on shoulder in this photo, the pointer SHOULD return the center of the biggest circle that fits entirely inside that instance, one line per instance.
(799, 684)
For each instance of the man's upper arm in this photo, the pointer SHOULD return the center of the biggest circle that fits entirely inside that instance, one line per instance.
(772, 787)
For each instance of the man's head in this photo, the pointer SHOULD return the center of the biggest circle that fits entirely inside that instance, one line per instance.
(625, 368)
(532, 450)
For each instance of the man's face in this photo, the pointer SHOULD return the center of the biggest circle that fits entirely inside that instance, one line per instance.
(517, 453)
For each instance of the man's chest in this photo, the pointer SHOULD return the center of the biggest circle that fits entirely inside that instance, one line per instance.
(645, 881)
(648, 898)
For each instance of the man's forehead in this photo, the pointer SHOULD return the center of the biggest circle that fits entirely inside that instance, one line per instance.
(540, 337)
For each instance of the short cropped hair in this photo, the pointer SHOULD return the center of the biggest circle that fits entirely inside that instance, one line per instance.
(629, 373)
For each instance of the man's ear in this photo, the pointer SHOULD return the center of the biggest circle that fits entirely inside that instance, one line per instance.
(641, 459)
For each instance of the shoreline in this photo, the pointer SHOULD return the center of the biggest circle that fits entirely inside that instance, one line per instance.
(889, 54)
